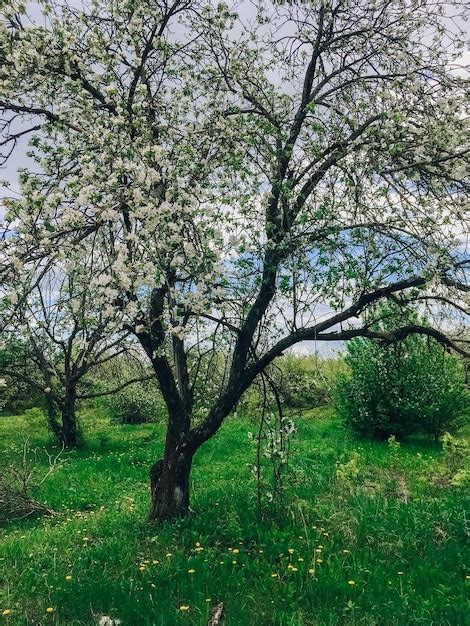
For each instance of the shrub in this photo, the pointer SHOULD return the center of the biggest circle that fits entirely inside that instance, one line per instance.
(137, 404)
(409, 387)
(306, 381)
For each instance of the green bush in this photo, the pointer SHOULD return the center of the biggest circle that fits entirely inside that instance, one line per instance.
(137, 404)
(306, 381)
(405, 388)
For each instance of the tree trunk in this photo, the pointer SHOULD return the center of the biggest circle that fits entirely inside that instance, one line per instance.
(169, 479)
(69, 435)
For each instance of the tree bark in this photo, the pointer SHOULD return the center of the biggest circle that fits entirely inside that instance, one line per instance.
(169, 480)
(69, 434)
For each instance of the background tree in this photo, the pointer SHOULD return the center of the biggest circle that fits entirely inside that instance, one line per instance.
(253, 182)
(59, 332)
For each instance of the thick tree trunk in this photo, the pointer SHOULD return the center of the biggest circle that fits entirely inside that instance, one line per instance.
(68, 433)
(169, 479)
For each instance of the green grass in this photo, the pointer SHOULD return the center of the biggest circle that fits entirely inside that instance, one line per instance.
(401, 539)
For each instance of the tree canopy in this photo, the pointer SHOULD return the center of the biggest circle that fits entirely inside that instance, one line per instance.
(243, 181)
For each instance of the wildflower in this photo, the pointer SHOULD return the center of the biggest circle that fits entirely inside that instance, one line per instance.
(351, 582)
(400, 573)
(7, 612)
(184, 607)
(168, 554)
(68, 577)
(467, 577)
(198, 545)
(291, 550)
(49, 609)
(319, 560)
(274, 575)
(142, 568)
(235, 551)
(311, 571)
(234, 562)
(208, 599)
(191, 571)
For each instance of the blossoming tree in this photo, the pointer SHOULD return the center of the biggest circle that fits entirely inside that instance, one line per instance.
(253, 180)
(59, 333)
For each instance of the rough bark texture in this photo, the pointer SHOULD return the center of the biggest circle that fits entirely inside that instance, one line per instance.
(169, 479)
(65, 429)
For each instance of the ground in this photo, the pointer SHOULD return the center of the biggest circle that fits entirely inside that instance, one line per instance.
(367, 533)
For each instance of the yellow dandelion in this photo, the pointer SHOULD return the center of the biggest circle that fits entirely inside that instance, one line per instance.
(291, 550)
(319, 560)
(351, 582)
(234, 562)
(294, 569)
(300, 559)
(198, 545)
(274, 575)
(7, 612)
(400, 573)
(49, 609)
(155, 562)
(191, 571)
(68, 577)
(235, 551)
(184, 607)
(467, 577)
(208, 599)
(311, 571)
(142, 568)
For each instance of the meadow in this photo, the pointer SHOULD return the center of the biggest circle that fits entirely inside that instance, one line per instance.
(365, 533)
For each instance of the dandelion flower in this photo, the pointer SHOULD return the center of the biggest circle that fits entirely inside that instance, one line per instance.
(400, 573)
(49, 609)
(274, 575)
(68, 577)
(7, 612)
(291, 550)
(184, 607)
(191, 571)
(351, 582)
(235, 551)
(311, 571)
(319, 560)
